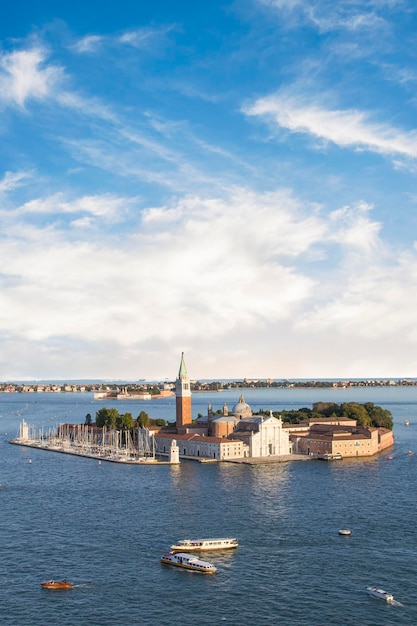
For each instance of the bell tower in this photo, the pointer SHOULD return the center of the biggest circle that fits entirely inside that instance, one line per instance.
(183, 397)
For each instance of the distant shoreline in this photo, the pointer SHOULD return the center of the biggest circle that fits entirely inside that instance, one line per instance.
(135, 390)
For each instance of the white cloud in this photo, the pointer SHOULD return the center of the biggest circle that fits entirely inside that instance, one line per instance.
(345, 128)
(90, 43)
(233, 249)
(13, 180)
(144, 37)
(352, 228)
(237, 269)
(104, 206)
(327, 15)
(24, 75)
(140, 38)
(376, 302)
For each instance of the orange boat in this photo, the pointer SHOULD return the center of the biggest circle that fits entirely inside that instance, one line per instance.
(57, 584)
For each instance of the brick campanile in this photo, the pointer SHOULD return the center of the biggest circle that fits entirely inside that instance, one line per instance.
(183, 396)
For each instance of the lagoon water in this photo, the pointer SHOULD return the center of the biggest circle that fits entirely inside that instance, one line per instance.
(105, 526)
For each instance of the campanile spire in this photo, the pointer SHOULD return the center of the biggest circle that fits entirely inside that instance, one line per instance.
(183, 396)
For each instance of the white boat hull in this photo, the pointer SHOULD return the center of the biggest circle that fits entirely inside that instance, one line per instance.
(201, 545)
(188, 561)
(380, 594)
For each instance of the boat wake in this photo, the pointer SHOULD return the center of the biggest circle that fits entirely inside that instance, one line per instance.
(396, 603)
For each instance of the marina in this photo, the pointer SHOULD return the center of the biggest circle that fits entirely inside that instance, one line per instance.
(116, 446)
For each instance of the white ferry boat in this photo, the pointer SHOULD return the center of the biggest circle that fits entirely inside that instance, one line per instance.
(195, 545)
(188, 561)
(380, 594)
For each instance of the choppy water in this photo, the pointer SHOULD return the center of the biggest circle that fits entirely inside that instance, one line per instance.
(105, 526)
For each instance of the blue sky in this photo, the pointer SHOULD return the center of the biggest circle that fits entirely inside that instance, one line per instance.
(234, 179)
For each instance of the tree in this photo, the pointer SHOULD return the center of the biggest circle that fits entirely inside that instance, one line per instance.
(142, 420)
(125, 421)
(107, 417)
(158, 422)
(380, 418)
(88, 419)
(357, 412)
(326, 408)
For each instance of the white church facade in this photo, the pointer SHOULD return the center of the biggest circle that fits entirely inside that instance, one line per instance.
(264, 436)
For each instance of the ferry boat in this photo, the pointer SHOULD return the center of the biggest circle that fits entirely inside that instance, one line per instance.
(57, 584)
(380, 594)
(188, 561)
(195, 545)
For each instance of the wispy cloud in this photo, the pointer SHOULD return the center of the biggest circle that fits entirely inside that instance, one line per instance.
(101, 206)
(89, 43)
(146, 38)
(348, 128)
(13, 180)
(327, 15)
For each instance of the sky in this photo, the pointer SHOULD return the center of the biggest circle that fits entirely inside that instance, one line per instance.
(231, 179)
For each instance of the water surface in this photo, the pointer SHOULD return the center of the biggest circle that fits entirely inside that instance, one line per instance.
(105, 526)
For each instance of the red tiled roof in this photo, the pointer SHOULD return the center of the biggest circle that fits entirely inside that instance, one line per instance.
(192, 437)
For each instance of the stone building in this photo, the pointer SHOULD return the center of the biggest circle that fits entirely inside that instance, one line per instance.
(200, 446)
(347, 440)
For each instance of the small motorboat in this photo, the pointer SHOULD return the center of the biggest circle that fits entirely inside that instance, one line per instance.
(380, 594)
(410, 453)
(56, 584)
(407, 422)
(188, 561)
(345, 532)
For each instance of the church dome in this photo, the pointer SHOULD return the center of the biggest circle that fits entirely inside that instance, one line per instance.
(242, 409)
